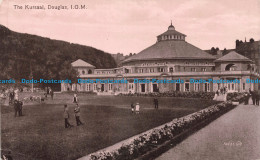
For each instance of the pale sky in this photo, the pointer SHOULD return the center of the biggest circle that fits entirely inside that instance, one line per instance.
(132, 25)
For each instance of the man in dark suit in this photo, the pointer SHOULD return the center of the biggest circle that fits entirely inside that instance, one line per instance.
(156, 103)
(18, 108)
(257, 98)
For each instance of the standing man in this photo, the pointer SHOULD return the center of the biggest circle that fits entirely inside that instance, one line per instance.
(20, 105)
(66, 117)
(52, 94)
(254, 97)
(48, 91)
(75, 98)
(257, 97)
(77, 115)
(16, 108)
(156, 103)
(11, 97)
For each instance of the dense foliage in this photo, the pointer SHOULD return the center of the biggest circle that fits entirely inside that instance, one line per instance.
(203, 95)
(27, 56)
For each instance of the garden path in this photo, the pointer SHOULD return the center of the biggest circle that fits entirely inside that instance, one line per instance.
(235, 135)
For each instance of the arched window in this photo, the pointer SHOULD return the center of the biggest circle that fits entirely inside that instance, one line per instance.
(171, 69)
(230, 67)
(248, 67)
(83, 72)
(90, 71)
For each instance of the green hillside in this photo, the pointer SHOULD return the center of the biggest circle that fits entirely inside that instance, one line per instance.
(25, 56)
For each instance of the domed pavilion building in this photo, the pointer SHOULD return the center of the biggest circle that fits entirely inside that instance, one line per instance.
(171, 64)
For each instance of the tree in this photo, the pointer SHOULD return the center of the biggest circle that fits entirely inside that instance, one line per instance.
(252, 40)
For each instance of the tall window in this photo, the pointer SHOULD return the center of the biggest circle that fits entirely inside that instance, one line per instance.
(88, 87)
(207, 89)
(110, 87)
(187, 86)
(95, 87)
(193, 69)
(203, 69)
(196, 86)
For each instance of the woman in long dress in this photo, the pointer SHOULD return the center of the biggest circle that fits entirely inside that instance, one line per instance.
(137, 108)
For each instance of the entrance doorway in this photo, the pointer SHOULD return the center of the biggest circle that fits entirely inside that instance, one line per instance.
(142, 87)
(155, 88)
(178, 87)
(102, 87)
(131, 88)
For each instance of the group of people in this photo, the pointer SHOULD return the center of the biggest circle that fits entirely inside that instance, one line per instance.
(67, 116)
(222, 90)
(15, 102)
(49, 92)
(13, 95)
(76, 113)
(136, 108)
(255, 95)
(18, 108)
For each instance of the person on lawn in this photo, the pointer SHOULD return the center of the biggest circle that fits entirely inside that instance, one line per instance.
(52, 94)
(156, 103)
(137, 108)
(66, 117)
(77, 115)
(132, 107)
(75, 98)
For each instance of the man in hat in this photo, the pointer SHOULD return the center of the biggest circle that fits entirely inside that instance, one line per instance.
(156, 103)
(77, 115)
(66, 117)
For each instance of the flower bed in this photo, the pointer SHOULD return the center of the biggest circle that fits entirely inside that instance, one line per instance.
(152, 139)
(237, 96)
(203, 95)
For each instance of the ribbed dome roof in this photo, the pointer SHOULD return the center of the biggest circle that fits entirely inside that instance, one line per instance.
(170, 50)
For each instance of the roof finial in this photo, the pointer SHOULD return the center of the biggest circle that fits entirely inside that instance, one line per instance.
(245, 39)
(171, 27)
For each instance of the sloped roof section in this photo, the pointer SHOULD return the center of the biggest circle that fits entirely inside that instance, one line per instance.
(233, 57)
(81, 63)
(170, 50)
(172, 32)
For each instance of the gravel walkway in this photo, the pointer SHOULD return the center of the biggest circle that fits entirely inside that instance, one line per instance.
(235, 135)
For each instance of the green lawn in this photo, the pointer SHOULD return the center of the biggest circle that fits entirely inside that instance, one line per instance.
(40, 134)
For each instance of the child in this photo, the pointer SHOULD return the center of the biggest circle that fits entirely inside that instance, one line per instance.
(66, 117)
(137, 108)
(77, 115)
